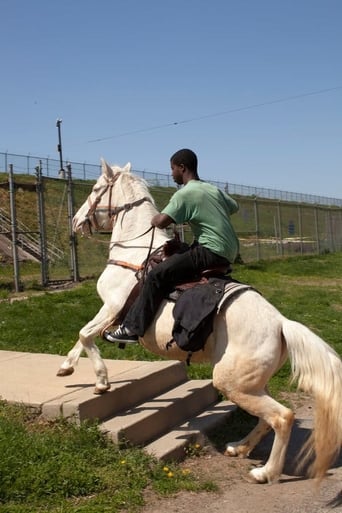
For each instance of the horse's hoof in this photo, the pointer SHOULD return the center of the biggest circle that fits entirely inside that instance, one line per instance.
(237, 450)
(65, 372)
(100, 391)
(260, 476)
(231, 451)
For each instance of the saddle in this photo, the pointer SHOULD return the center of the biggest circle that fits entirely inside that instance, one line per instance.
(171, 247)
(196, 301)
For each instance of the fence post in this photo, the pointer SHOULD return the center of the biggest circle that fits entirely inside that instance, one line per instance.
(338, 230)
(280, 230)
(14, 229)
(42, 229)
(331, 244)
(300, 230)
(72, 235)
(316, 230)
(257, 227)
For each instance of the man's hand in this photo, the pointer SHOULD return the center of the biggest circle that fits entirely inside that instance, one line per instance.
(161, 220)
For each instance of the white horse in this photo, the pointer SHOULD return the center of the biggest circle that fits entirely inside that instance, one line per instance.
(251, 339)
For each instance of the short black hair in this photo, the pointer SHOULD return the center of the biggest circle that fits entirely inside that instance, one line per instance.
(186, 157)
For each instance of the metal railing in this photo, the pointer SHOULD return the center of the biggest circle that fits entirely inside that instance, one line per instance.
(26, 164)
(27, 240)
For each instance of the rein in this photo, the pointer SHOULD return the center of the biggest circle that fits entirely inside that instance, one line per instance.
(134, 267)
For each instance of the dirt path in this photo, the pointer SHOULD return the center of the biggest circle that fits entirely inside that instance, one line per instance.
(293, 493)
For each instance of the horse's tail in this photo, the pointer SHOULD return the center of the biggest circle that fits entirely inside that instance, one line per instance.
(317, 368)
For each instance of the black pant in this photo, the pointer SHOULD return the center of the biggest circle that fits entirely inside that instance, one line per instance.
(160, 281)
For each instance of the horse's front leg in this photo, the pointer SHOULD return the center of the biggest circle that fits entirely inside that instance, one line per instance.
(86, 342)
(69, 364)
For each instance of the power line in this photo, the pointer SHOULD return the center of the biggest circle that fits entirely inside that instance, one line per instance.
(217, 114)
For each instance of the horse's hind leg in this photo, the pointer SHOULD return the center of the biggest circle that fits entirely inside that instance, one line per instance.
(244, 447)
(272, 414)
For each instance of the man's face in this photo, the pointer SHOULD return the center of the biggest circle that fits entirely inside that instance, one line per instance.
(177, 173)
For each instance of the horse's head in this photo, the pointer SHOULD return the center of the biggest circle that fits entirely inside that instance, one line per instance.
(99, 209)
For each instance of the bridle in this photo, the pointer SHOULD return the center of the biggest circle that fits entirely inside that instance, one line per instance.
(113, 212)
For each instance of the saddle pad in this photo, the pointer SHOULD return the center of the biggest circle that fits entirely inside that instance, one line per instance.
(231, 288)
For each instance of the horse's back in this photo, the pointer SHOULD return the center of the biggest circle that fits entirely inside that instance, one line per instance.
(245, 325)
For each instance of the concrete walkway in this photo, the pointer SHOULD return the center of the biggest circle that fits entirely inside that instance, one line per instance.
(30, 378)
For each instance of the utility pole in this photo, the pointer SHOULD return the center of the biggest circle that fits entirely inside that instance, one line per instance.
(42, 228)
(61, 173)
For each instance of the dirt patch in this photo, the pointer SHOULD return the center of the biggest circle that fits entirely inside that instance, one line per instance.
(316, 282)
(292, 494)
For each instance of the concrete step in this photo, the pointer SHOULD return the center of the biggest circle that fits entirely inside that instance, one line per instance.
(152, 419)
(152, 404)
(128, 389)
(175, 444)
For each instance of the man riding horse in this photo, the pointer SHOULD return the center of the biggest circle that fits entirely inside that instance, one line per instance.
(207, 210)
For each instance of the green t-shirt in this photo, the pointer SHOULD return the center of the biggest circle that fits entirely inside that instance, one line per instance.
(207, 210)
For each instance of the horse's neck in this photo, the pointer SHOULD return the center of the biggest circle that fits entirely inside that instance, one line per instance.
(132, 236)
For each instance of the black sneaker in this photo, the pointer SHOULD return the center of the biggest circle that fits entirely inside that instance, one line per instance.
(120, 336)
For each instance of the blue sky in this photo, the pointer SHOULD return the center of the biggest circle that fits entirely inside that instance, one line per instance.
(136, 80)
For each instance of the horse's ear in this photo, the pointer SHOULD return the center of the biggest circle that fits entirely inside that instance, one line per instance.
(106, 169)
(127, 168)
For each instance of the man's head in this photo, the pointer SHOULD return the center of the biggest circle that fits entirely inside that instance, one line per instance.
(184, 163)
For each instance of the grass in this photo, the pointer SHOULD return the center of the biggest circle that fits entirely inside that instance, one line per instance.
(307, 289)
(59, 467)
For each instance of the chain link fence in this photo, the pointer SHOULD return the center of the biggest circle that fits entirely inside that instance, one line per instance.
(26, 164)
(36, 213)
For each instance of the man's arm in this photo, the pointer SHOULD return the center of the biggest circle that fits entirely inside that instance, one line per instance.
(161, 220)
(233, 205)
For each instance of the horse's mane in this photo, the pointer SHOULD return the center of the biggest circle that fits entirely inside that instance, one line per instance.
(137, 185)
